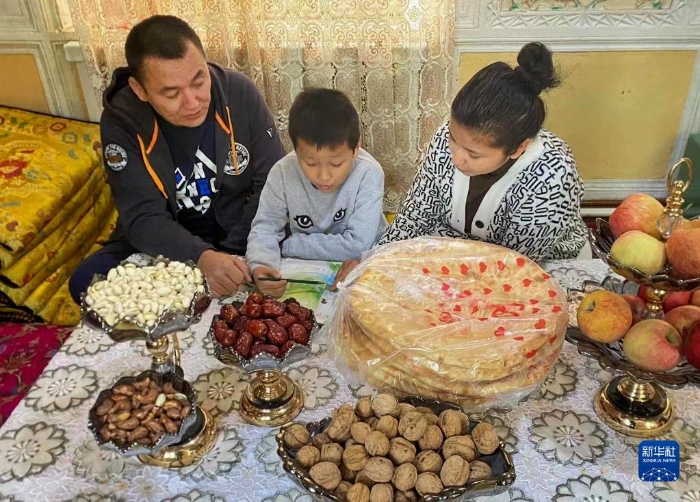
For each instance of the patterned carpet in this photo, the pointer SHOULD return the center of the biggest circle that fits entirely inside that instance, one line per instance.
(25, 350)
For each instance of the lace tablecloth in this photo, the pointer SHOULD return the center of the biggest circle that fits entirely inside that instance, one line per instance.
(561, 450)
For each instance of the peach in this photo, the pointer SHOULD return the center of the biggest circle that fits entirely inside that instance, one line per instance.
(637, 305)
(653, 345)
(676, 299)
(604, 316)
(639, 250)
(691, 345)
(637, 212)
(682, 317)
(683, 251)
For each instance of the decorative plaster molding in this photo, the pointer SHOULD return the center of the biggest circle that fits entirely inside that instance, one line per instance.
(24, 21)
(619, 189)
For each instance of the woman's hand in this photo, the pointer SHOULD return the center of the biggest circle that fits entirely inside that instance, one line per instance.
(345, 269)
(272, 288)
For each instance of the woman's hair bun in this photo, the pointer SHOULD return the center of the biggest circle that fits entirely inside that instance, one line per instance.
(536, 67)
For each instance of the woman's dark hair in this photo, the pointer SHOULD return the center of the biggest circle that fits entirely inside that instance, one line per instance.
(324, 118)
(503, 103)
(161, 37)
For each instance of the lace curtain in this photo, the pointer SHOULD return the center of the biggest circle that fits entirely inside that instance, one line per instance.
(392, 57)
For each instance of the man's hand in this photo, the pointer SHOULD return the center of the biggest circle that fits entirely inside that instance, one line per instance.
(345, 269)
(224, 272)
(272, 288)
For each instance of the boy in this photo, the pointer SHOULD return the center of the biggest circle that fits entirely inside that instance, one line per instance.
(329, 190)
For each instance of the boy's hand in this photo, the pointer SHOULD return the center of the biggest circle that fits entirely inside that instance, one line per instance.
(345, 269)
(272, 288)
(224, 272)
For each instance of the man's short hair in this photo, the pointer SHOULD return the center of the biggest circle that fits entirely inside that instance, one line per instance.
(160, 37)
(324, 118)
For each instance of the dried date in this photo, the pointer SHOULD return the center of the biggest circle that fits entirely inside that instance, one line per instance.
(220, 325)
(255, 298)
(273, 309)
(241, 323)
(243, 344)
(252, 310)
(273, 350)
(256, 328)
(276, 333)
(229, 313)
(286, 320)
(285, 348)
(298, 333)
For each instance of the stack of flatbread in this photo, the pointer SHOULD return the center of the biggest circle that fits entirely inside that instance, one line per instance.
(460, 321)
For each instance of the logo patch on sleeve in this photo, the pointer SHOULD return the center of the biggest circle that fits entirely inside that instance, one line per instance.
(115, 157)
(243, 158)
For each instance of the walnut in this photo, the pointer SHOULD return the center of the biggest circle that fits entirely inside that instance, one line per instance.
(431, 439)
(296, 436)
(428, 461)
(343, 407)
(347, 474)
(307, 456)
(428, 483)
(363, 408)
(479, 470)
(412, 426)
(465, 423)
(372, 422)
(350, 442)
(357, 493)
(405, 408)
(377, 444)
(409, 496)
(431, 419)
(381, 492)
(389, 426)
(320, 439)
(342, 490)
(364, 479)
(355, 457)
(450, 423)
(385, 404)
(401, 451)
(339, 428)
(459, 445)
(379, 469)
(405, 477)
(326, 475)
(455, 471)
(332, 452)
(359, 432)
(425, 410)
(485, 437)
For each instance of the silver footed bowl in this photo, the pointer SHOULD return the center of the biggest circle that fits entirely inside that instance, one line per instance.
(501, 463)
(602, 238)
(189, 426)
(610, 355)
(128, 328)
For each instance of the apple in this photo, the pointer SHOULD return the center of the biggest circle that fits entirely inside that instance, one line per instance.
(637, 305)
(691, 345)
(683, 251)
(637, 212)
(653, 345)
(682, 317)
(676, 299)
(639, 250)
(604, 316)
(695, 297)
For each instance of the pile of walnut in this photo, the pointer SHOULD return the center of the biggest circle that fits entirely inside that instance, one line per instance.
(263, 324)
(383, 451)
(141, 413)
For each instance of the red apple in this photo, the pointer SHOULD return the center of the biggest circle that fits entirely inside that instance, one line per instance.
(637, 305)
(604, 316)
(676, 299)
(695, 297)
(637, 212)
(653, 345)
(691, 345)
(683, 252)
(682, 317)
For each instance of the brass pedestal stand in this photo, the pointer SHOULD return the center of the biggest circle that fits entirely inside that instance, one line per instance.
(271, 399)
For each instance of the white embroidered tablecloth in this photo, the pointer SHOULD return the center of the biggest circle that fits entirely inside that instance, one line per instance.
(561, 450)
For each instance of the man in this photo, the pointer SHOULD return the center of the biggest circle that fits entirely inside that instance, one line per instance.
(187, 149)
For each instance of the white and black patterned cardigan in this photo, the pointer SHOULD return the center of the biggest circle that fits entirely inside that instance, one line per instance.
(533, 209)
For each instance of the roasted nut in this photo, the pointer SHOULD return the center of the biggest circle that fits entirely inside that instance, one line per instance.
(385, 404)
(459, 445)
(359, 432)
(388, 425)
(127, 390)
(142, 384)
(379, 469)
(412, 426)
(296, 436)
(308, 456)
(455, 471)
(326, 475)
(339, 428)
(103, 409)
(342, 490)
(118, 398)
(409, 496)
(185, 410)
(355, 457)
(139, 432)
(485, 438)
(428, 461)
(431, 439)
(405, 408)
(405, 477)
(332, 452)
(358, 492)
(382, 492)
(170, 426)
(129, 424)
(428, 483)
(377, 444)
(320, 439)
(105, 433)
(450, 423)
(363, 408)
(479, 470)
(155, 427)
(401, 451)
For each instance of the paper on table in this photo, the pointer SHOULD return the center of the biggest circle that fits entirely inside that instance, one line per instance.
(313, 296)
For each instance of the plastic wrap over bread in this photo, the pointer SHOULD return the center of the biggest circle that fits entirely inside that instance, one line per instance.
(461, 321)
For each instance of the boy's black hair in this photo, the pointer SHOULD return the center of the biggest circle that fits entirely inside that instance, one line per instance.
(503, 103)
(324, 118)
(161, 37)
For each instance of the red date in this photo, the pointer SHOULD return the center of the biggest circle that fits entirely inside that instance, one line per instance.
(259, 341)
(228, 338)
(273, 350)
(286, 320)
(308, 324)
(219, 325)
(275, 333)
(241, 323)
(299, 311)
(285, 348)
(243, 344)
(229, 313)
(272, 309)
(256, 298)
(252, 310)
(298, 333)
(256, 328)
